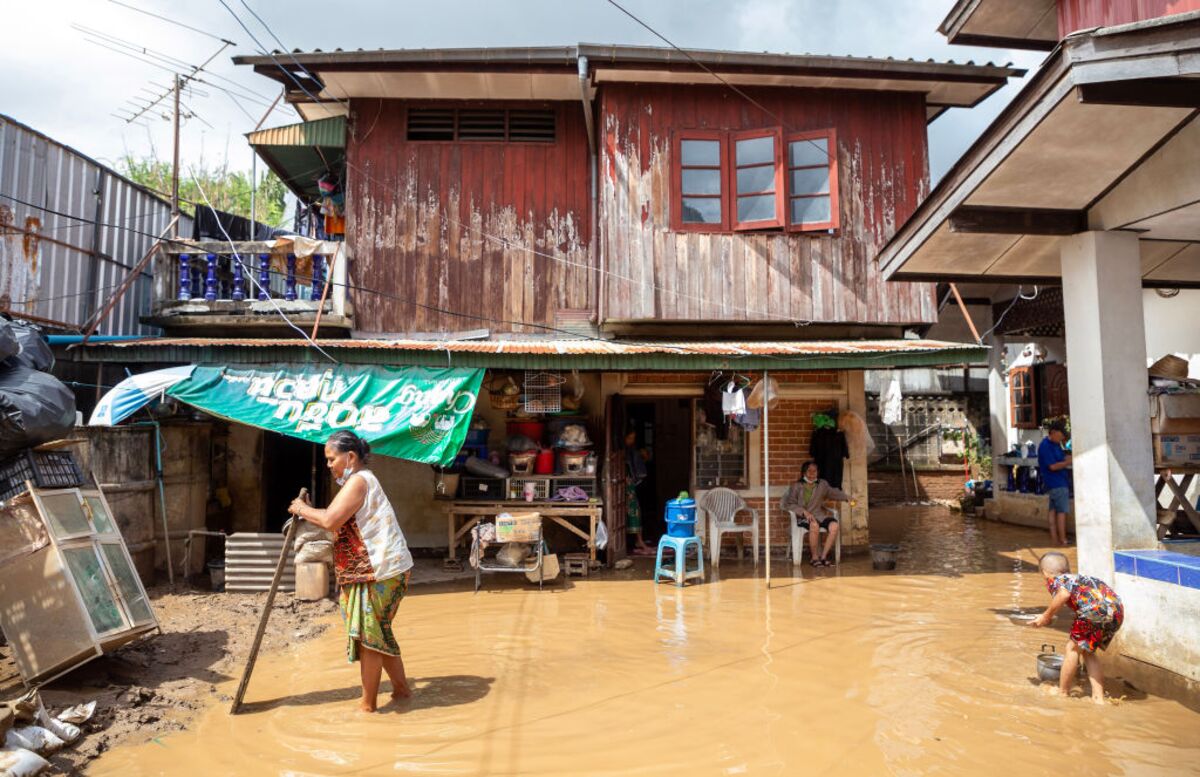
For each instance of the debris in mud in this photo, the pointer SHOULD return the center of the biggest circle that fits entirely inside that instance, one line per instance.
(153, 686)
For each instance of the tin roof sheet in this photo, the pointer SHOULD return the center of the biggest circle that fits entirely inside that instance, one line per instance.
(580, 353)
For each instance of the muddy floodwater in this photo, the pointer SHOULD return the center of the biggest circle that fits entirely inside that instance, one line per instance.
(912, 672)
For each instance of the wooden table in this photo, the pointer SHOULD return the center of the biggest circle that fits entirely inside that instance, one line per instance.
(561, 513)
(1179, 500)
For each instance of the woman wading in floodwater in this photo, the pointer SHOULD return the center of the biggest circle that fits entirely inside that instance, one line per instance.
(371, 561)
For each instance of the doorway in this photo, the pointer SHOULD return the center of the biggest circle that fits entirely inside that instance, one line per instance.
(288, 467)
(664, 430)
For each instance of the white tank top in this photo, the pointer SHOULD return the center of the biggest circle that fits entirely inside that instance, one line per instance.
(380, 531)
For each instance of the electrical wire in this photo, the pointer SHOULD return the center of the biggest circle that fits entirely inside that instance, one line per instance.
(251, 272)
(237, 258)
(830, 156)
(173, 21)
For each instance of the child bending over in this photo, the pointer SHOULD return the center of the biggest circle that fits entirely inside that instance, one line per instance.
(1098, 615)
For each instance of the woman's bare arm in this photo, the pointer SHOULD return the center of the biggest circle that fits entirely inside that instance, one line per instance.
(343, 506)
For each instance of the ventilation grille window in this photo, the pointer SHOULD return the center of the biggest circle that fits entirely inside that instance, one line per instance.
(431, 124)
(481, 125)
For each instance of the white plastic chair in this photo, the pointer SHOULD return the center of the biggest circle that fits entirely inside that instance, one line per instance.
(799, 536)
(721, 507)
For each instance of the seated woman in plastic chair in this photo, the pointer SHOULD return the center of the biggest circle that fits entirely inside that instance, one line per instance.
(806, 498)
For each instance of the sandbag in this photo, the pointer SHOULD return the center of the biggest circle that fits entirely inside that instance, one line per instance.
(40, 740)
(512, 555)
(32, 349)
(315, 551)
(35, 407)
(19, 762)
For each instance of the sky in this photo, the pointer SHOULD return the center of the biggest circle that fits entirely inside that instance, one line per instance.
(62, 84)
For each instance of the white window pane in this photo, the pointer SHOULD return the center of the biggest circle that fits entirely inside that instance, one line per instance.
(701, 210)
(127, 583)
(757, 208)
(810, 210)
(755, 180)
(701, 152)
(814, 151)
(100, 517)
(756, 151)
(66, 514)
(93, 587)
(701, 181)
(811, 180)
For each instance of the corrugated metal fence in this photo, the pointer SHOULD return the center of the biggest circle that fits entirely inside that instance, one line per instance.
(56, 261)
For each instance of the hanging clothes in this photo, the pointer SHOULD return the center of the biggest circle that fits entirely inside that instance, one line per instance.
(891, 403)
(828, 449)
(714, 413)
(751, 419)
(733, 401)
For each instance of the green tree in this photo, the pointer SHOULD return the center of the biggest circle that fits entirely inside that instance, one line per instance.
(227, 190)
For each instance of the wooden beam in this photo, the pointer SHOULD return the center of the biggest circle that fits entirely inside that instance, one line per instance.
(963, 307)
(1001, 41)
(980, 219)
(1148, 92)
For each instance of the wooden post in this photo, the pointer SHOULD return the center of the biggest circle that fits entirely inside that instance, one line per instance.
(325, 289)
(266, 612)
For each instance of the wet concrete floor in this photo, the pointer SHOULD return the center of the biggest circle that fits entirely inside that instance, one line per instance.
(852, 671)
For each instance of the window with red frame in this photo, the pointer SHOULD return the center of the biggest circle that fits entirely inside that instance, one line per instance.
(755, 179)
(700, 182)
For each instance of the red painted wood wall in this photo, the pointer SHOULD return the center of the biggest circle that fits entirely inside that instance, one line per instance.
(1082, 14)
(493, 232)
(656, 273)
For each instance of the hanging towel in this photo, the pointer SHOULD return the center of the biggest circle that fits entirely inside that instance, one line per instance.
(733, 401)
(891, 408)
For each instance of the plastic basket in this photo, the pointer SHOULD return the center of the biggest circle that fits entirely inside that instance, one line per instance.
(47, 469)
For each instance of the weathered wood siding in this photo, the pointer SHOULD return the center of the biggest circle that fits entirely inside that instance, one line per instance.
(491, 231)
(1082, 14)
(655, 273)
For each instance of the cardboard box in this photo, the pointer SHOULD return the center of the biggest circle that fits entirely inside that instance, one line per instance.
(518, 527)
(1177, 449)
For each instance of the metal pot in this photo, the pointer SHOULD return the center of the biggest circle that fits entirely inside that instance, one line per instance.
(1049, 665)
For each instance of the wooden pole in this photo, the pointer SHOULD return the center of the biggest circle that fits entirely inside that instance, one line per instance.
(767, 467)
(266, 612)
(175, 168)
(966, 315)
(325, 291)
(903, 474)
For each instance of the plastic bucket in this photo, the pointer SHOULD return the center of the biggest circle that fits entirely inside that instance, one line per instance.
(534, 430)
(884, 556)
(216, 574)
(545, 462)
(681, 517)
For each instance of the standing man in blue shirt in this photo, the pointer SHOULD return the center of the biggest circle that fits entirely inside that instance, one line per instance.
(1053, 463)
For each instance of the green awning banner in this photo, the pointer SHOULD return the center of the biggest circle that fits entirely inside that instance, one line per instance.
(417, 413)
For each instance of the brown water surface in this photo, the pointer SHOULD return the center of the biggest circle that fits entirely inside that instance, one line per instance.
(911, 672)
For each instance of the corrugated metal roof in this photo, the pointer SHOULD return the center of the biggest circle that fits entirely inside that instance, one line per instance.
(588, 354)
(329, 132)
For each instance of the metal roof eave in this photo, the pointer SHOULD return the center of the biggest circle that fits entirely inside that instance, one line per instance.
(961, 354)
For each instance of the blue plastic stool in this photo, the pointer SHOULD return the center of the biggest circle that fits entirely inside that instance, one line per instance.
(680, 573)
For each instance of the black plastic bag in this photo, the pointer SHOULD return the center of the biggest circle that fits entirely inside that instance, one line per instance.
(34, 352)
(8, 340)
(35, 407)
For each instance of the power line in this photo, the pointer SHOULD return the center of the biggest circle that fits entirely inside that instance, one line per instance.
(237, 258)
(711, 72)
(176, 22)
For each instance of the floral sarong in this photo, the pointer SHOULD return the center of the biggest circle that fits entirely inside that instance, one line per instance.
(368, 610)
(633, 510)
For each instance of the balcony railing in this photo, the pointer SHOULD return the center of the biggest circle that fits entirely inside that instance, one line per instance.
(192, 284)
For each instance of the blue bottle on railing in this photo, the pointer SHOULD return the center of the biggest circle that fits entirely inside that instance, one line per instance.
(681, 516)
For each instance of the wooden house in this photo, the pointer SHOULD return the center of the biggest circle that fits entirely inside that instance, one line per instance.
(645, 216)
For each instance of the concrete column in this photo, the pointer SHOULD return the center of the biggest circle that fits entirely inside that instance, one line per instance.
(1110, 423)
(855, 480)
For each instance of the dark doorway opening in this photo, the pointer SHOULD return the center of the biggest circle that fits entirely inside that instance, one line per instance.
(287, 467)
(664, 430)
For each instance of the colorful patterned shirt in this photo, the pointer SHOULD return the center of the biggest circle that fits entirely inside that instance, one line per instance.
(1091, 599)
